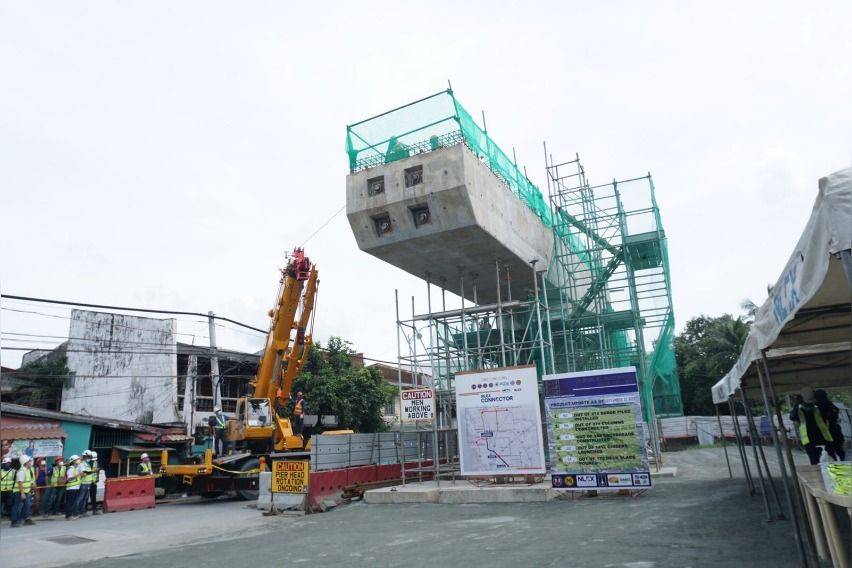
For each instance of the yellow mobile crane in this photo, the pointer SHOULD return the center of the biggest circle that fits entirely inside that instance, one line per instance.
(259, 431)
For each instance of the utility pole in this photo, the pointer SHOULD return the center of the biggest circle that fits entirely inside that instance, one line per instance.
(189, 394)
(215, 380)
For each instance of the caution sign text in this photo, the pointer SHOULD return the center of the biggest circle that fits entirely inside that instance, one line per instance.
(418, 405)
(290, 476)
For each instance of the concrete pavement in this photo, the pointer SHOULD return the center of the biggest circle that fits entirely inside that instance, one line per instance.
(56, 542)
(699, 518)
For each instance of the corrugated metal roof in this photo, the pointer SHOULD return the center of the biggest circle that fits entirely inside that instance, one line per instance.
(23, 429)
(20, 410)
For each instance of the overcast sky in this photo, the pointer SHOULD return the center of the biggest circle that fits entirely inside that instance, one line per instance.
(168, 154)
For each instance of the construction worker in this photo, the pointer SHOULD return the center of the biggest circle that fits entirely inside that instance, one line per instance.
(55, 493)
(831, 414)
(72, 487)
(40, 484)
(94, 477)
(219, 426)
(145, 467)
(813, 428)
(299, 413)
(7, 485)
(23, 495)
(85, 471)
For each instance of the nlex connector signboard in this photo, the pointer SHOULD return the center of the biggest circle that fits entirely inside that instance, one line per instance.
(499, 422)
(594, 424)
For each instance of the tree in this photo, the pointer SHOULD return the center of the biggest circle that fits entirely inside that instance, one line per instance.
(706, 350)
(333, 385)
(46, 377)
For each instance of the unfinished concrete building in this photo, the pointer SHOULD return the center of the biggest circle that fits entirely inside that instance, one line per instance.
(579, 283)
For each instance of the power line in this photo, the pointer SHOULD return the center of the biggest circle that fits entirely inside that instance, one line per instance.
(143, 310)
(115, 324)
(170, 352)
(128, 309)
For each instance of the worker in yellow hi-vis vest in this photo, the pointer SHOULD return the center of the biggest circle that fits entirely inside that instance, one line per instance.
(7, 485)
(55, 494)
(23, 494)
(813, 428)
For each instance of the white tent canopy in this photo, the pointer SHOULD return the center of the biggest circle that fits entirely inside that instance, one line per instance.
(805, 326)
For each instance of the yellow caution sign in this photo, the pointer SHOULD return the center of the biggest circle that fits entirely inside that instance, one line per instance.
(290, 476)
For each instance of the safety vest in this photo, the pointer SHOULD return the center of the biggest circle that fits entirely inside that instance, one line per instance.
(221, 422)
(73, 483)
(297, 410)
(803, 427)
(88, 474)
(29, 480)
(57, 476)
(145, 468)
(7, 479)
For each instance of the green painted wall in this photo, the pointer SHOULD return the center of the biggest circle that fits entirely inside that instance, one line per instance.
(78, 437)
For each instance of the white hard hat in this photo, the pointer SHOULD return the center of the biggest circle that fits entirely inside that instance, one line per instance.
(7, 459)
(73, 457)
(93, 454)
(87, 452)
(23, 459)
(217, 409)
(143, 456)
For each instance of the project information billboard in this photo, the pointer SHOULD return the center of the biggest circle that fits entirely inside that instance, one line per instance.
(499, 422)
(595, 435)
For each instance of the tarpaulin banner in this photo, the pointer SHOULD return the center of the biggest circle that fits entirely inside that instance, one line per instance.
(595, 435)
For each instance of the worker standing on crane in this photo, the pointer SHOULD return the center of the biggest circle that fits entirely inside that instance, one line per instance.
(299, 413)
(219, 426)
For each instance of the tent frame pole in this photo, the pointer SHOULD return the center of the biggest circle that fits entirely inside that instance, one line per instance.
(724, 443)
(799, 501)
(750, 426)
(776, 437)
(741, 446)
(769, 480)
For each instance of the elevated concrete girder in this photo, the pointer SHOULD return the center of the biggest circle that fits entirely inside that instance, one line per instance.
(474, 220)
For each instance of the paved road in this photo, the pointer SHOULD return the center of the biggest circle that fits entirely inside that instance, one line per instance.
(700, 518)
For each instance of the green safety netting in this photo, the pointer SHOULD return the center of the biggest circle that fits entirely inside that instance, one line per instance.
(430, 123)
(662, 370)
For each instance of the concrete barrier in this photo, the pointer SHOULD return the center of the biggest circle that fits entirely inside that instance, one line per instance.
(283, 501)
(128, 494)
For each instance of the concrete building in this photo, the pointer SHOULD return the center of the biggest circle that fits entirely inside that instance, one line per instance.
(443, 211)
(121, 367)
(131, 369)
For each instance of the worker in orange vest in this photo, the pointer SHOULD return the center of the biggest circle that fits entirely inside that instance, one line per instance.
(299, 413)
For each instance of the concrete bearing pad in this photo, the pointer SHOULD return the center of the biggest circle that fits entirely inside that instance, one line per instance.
(460, 492)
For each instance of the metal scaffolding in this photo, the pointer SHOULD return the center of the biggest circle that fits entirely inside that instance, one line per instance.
(442, 342)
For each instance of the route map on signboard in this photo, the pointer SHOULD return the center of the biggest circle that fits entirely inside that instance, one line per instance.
(499, 422)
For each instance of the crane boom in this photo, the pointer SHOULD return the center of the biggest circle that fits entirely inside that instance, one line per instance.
(297, 287)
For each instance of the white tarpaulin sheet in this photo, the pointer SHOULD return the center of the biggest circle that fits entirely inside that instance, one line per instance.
(806, 281)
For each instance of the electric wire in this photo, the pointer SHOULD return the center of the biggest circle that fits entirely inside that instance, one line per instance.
(131, 309)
